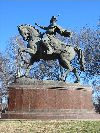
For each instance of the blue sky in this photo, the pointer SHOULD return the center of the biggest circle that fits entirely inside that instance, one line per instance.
(74, 14)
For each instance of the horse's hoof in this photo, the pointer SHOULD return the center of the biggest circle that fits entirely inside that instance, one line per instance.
(77, 81)
(61, 79)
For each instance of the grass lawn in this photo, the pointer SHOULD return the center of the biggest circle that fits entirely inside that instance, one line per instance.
(53, 126)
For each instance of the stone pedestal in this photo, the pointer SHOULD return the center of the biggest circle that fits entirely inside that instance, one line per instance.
(49, 100)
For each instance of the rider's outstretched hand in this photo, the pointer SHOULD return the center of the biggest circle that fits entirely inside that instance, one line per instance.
(36, 24)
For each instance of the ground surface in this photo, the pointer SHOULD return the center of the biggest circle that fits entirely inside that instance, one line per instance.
(64, 126)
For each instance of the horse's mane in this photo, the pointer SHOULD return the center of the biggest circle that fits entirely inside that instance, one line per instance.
(28, 25)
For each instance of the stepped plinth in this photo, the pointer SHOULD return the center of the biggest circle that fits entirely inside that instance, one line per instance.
(49, 100)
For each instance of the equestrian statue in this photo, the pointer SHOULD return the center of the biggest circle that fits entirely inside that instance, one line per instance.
(47, 46)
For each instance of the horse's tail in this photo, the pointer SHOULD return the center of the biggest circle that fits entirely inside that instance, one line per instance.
(80, 58)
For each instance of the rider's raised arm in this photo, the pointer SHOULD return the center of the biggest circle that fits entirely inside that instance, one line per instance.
(42, 27)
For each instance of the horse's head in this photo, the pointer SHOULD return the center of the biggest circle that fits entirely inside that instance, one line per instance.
(28, 32)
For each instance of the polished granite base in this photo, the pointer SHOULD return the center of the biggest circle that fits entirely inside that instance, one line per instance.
(49, 100)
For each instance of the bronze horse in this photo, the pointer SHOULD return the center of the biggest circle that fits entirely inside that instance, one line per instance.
(37, 50)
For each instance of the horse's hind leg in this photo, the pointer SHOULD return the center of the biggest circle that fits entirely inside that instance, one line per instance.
(66, 64)
(76, 74)
(27, 71)
(63, 74)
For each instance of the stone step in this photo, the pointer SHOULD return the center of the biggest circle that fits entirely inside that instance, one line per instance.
(57, 110)
(50, 115)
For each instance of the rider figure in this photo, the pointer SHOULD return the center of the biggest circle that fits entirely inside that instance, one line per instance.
(51, 31)
(51, 28)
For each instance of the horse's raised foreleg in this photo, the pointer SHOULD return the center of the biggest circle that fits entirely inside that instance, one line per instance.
(29, 67)
(28, 50)
(28, 63)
